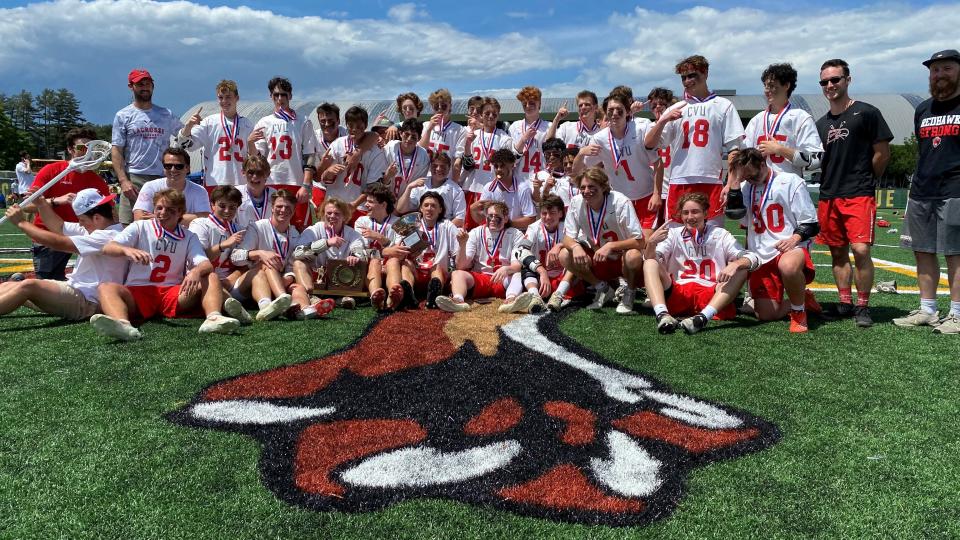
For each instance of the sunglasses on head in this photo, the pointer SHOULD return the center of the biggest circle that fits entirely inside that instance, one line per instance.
(177, 166)
(831, 80)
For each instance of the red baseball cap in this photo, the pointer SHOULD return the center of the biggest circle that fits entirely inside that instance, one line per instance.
(138, 75)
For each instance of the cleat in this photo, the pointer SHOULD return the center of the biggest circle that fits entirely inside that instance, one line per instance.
(448, 304)
(520, 304)
(218, 324)
(409, 298)
(396, 296)
(735, 207)
(322, 307)
(747, 307)
(275, 308)
(798, 322)
(694, 324)
(862, 317)
(949, 325)
(918, 317)
(555, 302)
(233, 308)
(295, 313)
(810, 303)
(600, 298)
(379, 299)
(112, 328)
(625, 306)
(348, 302)
(666, 324)
(537, 305)
(434, 289)
(844, 309)
(622, 288)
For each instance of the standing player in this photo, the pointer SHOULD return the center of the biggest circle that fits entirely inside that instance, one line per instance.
(856, 151)
(576, 134)
(406, 160)
(169, 275)
(341, 183)
(455, 206)
(506, 187)
(289, 143)
(441, 134)
(176, 165)
(699, 130)
(528, 134)
(24, 175)
(222, 138)
(555, 180)
(479, 146)
(603, 240)
(659, 100)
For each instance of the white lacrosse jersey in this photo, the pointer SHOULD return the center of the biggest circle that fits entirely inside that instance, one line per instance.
(793, 127)
(442, 246)
(448, 140)
(543, 241)
(284, 144)
(93, 267)
(385, 228)
(409, 167)
(518, 198)
(222, 142)
(261, 235)
(197, 198)
(453, 199)
(615, 221)
(322, 145)
(532, 159)
(775, 211)
(665, 159)
(252, 209)
(564, 189)
(353, 243)
(172, 253)
(697, 139)
(697, 257)
(483, 148)
(211, 231)
(576, 134)
(489, 251)
(371, 168)
(631, 173)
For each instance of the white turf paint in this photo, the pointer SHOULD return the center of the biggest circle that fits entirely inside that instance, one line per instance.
(694, 412)
(242, 411)
(425, 466)
(631, 471)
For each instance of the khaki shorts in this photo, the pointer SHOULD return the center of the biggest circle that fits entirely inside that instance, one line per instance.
(126, 207)
(71, 304)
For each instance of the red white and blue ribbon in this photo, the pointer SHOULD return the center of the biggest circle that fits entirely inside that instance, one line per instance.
(226, 227)
(771, 131)
(176, 235)
(582, 128)
(431, 234)
(692, 98)
(263, 207)
(596, 221)
(406, 173)
(485, 148)
(550, 239)
(491, 252)
(288, 115)
(232, 135)
(282, 248)
(498, 184)
(764, 195)
(614, 149)
(381, 227)
(526, 127)
(697, 237)
(442, 126)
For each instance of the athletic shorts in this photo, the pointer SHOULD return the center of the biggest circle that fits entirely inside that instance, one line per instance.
(712, 191)
(608, 270)
(470, 198)
(71, 304)
(153, 301)
(765, 282)
(846, 221)
(484, 287)
(932, 226)
(646, 217)
(690, 298)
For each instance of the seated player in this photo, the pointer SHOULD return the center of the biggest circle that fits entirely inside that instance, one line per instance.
(406, 160)
(76, 298)
(376, 230)
(169, 275)
(219, 234)
(267, 250)
(484, 265)
(546, 243)
(696, 269)
(330, 240)
(176, 167)
(439, 182)
(781, 221)
(341, 182)
(255, 192)
(514, 192)
(603, 240)
(555, 179)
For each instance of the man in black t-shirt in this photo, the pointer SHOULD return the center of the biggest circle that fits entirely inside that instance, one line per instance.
(856, 144)
(933, 212)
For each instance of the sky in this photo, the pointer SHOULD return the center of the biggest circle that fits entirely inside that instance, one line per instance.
(376, 50)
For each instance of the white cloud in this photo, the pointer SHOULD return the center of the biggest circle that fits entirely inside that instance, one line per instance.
(518, 14)
(191, 40)
(405, 12)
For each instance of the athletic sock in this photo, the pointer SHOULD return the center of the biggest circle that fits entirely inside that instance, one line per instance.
(863, 298)
(659, 308)
(846, 295)
(563, 288)
(709, 312)
(929, 305)
(263, 302)
(795, 307)
(213, 314)
(955, 308)
(458, 299)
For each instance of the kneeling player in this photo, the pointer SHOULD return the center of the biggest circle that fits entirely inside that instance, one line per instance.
(603, 240)
(696, 269)
(545, 237)
(169, 275)
(780, 224)
(330, 240)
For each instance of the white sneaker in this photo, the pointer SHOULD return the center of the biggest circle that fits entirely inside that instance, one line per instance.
(747, 307)
(112, 328)
(520, 304)
(622, 288)
(625, 307)
(275, 308)
(218, 324)
(233, 308)
(450, 305)
(537, 305)
(348, 302)
(918, 317)
(600, 298)
(948, 325)
(555, 302)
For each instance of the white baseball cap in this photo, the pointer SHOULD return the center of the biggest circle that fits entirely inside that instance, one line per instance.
(88, 199)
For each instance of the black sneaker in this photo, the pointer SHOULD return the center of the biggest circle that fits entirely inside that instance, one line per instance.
(845, 310)
(861, 314)
(694, 324)
(735, 207)
(433, 291)
(409, 299)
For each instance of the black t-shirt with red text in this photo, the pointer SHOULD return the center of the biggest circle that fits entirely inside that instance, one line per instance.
(848, 139)
(937, 125)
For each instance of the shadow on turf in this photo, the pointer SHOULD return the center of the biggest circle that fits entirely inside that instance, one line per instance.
(55, 323)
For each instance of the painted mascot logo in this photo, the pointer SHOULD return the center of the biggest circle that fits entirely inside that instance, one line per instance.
(489, 409)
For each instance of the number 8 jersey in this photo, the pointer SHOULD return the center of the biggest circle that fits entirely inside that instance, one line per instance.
(697, 139)
(172, 253)
(774, 212)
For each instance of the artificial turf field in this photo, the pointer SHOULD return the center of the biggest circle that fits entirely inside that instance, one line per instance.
(869, 444)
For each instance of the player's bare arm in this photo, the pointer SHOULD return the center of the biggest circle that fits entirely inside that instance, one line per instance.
(881, 156)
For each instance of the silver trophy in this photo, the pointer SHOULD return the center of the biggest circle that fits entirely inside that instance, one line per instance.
(408, 229)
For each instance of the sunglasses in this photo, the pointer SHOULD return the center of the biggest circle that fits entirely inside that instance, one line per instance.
(494, 217)
(80, 147)
(281, 94)
(552, 153)
(177, 166)
(691, 75)
(831, 80)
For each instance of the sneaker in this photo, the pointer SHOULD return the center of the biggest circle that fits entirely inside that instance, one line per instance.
(322, 307)
(918, 317)
(555, 302)
(433, 291)
(694, 324)
(625, 307)
(348, 302)
(233, 308)
(448, 304)
(112, 328)
(861, 315)
(798, 322)
(810, 303)
(666, 324)
(537, 305)
(844, 309)
(218, 324)
(747, 307)
(409, 298)
(379, 299)
(600, 298)
(949, 325)
(520, 304)
(621, 289)
(275, 308)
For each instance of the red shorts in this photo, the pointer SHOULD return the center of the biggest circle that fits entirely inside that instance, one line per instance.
(608, 270)
(302, 217)
(765, 282)
(690, 298)
(712, 191)
(152, 301)
(470, 198)
(846, 221)
(646, 217)
(484, 287)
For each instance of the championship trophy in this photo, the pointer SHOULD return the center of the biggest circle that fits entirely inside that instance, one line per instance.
(408, 229)
(337, 278)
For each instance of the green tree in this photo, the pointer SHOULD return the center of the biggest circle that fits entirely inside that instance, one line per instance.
(45, 105)
(12, 141)
(902, 164)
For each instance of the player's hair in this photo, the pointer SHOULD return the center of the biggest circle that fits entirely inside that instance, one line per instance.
(441, 94)
(226, 85)
(553, 143)
(503, 155)
(695, 62)
(412, 97)
(342, 205)
(624, 92)
(226, 194)
(529, 93)
(747, 156)
(475, 101)
(179, 152)
(382, 194)
(696, 197)
(105, 210)
(783, 74)
(77, 133)
(662, 94)
(281, 83)
(492, 102)
(356, 114)
(282, 194)
(256, 164)
(329, 108)
(573, 151)
(441, 157)
(597, 176)
(837, 62)
(437, 197)
(175, 199)
(588, 94)
(500, 206)
(551, 201)
(619, 97)
(411, 124)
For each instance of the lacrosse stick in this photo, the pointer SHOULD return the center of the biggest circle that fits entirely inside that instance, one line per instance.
(97, 152)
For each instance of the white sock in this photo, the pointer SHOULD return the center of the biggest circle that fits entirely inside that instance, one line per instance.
(708, 312)
(515, 286)
(955, 308)
(659, 308)
(263, 302)
(213, 314)
(929, 305)
(458, 298)
(563, 288)
(308, 311)
(795, 307)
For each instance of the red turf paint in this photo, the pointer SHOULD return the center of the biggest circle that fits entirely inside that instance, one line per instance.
(566, 488)
(500, 416)
(580, 422)
(650, 425)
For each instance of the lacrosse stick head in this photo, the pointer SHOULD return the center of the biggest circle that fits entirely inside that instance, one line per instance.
(97, 152)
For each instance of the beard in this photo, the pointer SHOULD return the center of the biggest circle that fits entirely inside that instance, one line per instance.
(944, 87)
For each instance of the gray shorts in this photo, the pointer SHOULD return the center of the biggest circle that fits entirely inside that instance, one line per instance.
(126, 207)
(932, 226)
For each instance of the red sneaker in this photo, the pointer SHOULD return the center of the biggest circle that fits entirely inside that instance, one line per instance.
(798, 322)
(324, 306)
